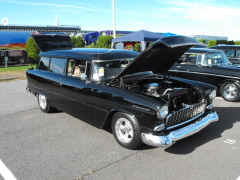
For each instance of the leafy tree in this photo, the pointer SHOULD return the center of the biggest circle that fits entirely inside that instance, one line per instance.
(222, 42)
(32, 50)
(104, 41)
(212, 43)
(237, 42)
(137, 47)
(79, 42)
(202, 40)
(73, 38)
(230, 43)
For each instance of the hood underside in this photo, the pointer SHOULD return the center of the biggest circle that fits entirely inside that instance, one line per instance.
(161, 55)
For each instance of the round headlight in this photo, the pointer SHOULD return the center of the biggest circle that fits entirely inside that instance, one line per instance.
(213, 94)
(163, 112)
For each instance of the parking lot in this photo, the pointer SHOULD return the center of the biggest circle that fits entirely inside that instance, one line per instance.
(35, 145)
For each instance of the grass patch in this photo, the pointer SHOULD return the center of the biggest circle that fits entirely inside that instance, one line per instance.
(14, 73)
(17, 68)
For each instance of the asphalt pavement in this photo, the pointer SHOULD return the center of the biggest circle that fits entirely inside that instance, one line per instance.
(57, 146)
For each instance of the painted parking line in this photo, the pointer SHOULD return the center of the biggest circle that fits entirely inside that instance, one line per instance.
(5, 172)
(238, 178)
(218, 98)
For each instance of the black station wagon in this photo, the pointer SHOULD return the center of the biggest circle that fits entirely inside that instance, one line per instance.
(231, 51)
(128, 90)
(210, 66)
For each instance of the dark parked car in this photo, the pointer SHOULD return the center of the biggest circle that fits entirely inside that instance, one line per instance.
(231, 51)
(210, 66)
(123, 88)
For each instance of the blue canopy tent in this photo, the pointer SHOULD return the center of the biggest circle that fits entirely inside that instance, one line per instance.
(138, 36)
(169, 34)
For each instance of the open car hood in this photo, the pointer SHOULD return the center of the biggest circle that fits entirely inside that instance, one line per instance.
(161, 55)
(52, 42)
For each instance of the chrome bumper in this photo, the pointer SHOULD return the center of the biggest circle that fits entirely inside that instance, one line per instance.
(173, 136)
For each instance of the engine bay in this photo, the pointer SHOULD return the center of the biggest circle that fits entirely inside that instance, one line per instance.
(177, 94)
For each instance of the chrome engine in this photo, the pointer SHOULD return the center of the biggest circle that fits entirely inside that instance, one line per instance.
(151, 89)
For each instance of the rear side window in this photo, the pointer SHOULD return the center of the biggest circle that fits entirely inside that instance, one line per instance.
(57, 65)
(44, 63)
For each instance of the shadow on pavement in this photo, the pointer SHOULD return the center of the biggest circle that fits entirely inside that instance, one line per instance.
(228, 116)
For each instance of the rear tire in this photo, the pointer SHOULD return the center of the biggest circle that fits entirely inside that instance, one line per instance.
(230, 91)
(126, 131)
(44, 104)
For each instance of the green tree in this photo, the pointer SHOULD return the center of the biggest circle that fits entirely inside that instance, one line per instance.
(212, 43)
(230, 43)
(73, 38)
(237, 42)
(32, 50)
(104, 41)
(79, 42)
(222, 42)
(137, 47)
(202, 40)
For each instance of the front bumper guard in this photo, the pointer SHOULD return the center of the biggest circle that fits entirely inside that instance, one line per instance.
(173, 136)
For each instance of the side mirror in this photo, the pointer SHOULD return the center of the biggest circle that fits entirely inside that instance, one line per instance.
(83, 77)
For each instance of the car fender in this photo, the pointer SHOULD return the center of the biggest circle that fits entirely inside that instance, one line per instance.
(229, 80)
(114, 111)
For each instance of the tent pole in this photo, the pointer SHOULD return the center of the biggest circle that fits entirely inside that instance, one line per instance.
(114, 19)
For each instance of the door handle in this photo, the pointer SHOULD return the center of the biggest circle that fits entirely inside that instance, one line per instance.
(61, 79)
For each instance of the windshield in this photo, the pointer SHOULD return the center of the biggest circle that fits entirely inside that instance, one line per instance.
(108, 69)
(215, 58)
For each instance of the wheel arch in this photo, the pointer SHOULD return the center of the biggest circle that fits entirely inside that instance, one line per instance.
(228, 80)
(108, 119)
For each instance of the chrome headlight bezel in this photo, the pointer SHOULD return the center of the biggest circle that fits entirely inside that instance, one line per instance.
(213, 94)
(162, 112)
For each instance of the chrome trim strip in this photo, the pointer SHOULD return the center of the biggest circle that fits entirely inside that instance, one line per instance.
(232, 77)
(173, 136)
(159, 127)
(210, 106)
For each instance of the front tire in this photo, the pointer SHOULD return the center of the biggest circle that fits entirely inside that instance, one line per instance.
(126, 131)
(44, 104)
(230, 91)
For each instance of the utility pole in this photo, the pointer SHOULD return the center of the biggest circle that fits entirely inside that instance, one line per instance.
(114, 19)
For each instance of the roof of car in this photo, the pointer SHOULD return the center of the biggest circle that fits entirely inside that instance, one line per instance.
(201, 50)
(236, 47)
(90, 54)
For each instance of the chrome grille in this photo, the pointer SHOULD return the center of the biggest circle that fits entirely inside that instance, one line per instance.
(185, 114)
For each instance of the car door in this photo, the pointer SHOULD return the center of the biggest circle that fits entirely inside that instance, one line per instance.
(76, 95)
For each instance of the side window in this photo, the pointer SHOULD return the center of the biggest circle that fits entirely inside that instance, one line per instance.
(229, 53)
(238, 53)
(199, 59)
(44, 63)
(76, 68)
(189, 59)
(57, 65)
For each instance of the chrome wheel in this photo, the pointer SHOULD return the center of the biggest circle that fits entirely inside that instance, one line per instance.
(230, 91)
(124, 130)
(42, 101)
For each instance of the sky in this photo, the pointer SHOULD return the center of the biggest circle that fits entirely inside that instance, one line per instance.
(183, 17)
